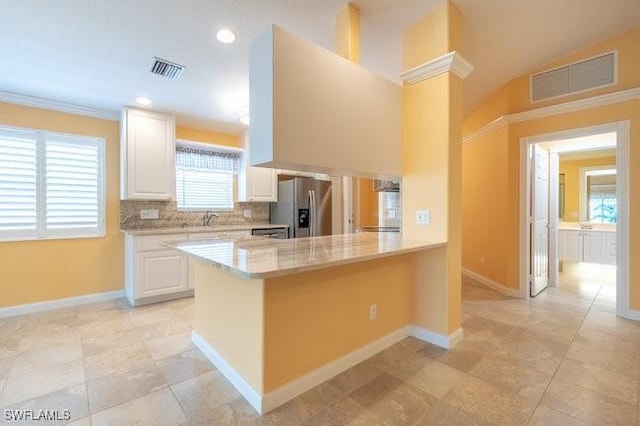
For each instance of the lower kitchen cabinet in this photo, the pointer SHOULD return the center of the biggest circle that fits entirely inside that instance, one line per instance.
(162, 272)
(587, 246)
(155, 273)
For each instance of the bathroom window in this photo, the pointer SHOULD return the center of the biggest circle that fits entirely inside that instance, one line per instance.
(601, 193)
(51, 185)
(204, 176)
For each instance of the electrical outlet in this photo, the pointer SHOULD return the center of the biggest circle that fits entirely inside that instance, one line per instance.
(149, 214)
(247, 213)
(423, 217)
(373, 312)
(482, 261)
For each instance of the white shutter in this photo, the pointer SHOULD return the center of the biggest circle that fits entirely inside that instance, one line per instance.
(18, 184)
(51, 185)
(73, 176)
(203, 189)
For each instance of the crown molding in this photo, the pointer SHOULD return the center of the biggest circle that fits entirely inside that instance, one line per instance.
(549, 111)
(451, 62)
(32, 101)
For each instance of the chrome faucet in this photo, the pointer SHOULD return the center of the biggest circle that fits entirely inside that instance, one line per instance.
(207, 218)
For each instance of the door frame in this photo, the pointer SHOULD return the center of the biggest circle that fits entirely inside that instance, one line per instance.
(622, 227)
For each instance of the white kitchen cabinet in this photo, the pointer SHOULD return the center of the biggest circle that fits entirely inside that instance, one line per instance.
(256, 184)
(147, 155)
(154, 272)
(587, 246)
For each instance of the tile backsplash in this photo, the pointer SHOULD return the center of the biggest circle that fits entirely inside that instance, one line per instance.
(170, 217)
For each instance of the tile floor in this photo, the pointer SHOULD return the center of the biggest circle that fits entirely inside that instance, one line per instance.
(562, 358)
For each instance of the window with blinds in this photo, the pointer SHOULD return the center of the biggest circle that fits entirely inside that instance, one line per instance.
(51, 185)
(204, 176)
(602, 197)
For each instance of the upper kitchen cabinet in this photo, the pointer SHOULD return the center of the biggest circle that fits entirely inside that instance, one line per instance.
(147, 155)
(257, 184)
(312, 110)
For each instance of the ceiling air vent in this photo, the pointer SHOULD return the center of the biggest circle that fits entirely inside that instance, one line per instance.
(166, 69)
(592, 73)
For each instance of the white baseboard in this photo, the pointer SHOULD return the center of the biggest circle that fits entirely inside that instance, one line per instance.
(264, 403)
(491, 284)
(31, 308)
(441, 340)
(320, 375)
(631, 314)
(253, 397)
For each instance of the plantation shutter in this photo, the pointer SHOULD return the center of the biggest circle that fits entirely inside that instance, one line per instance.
(73, 185)
(18, 183)
(51, 185)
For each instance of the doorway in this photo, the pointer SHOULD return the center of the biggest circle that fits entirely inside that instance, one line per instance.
(543, 212)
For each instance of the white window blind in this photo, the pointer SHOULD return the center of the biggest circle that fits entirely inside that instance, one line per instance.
(51, 185)
(18, 183)
(204, 177)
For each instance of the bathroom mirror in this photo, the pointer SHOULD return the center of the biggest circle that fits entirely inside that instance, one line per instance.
(598, 194)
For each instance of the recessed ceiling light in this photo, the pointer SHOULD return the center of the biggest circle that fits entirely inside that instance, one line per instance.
(143, 101)
(225, 35)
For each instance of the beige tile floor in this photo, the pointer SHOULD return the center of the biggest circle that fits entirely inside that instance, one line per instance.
(562, 358)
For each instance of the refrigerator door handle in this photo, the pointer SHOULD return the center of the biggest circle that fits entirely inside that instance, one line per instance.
(311, 213)
(314, 214)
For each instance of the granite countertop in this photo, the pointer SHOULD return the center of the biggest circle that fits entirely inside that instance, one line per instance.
(199, 229)
(595, 227)
(259, 257)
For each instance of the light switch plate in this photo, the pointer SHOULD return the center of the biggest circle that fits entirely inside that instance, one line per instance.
(423, 217)
(149, 214)
(247, 213)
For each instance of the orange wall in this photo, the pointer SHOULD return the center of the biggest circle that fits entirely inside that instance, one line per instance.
(205, 136)
(432, 168)
(33, 271)
(571, 170)
(481, 150)
(368, 203)
(331, 308)
(484, 206)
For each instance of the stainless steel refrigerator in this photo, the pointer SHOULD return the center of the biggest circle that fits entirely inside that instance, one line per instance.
(305, 205)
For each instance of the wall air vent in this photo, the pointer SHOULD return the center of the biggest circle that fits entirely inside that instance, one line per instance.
(166, 69)
(589, 74)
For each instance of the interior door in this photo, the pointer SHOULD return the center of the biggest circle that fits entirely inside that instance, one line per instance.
(539, 220)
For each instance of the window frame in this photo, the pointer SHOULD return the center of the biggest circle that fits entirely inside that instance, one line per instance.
(584, 207)
(42, 233)
(234, 180)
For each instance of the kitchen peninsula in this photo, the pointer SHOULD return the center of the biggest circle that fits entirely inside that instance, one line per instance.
(278, 317)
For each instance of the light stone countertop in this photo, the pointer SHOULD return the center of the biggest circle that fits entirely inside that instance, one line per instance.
(259, 257)
(596, 227)
(200, 229)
